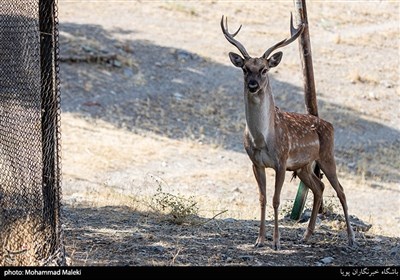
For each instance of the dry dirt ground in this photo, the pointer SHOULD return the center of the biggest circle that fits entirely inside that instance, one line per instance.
(154, 171)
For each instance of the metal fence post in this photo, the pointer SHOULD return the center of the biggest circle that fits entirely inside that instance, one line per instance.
(309, 94)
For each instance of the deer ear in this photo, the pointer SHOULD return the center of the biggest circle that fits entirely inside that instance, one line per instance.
(236, 59)
(274, 60)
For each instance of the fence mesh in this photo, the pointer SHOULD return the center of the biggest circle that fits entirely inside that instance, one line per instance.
(30, 190)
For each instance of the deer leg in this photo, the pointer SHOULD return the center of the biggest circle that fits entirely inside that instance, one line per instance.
(321, 208)
(329, 168)
(259, 173)
(279, 179)
(308, 177)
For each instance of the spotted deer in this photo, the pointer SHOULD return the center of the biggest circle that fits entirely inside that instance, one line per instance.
(284, 141)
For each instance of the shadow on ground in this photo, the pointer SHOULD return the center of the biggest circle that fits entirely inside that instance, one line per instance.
(144, 87)
(120, 236)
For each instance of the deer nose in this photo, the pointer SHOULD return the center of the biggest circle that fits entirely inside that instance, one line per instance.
(253, 85)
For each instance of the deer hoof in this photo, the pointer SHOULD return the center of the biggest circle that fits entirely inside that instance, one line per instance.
(276, 245)
(353, 243)
(259, 242)
(307, 236)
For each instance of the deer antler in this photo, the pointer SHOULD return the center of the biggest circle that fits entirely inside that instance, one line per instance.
(230, 38)
(294, 34)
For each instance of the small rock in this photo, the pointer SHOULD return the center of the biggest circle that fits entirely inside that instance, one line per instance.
(327, 260)
(178, 96)
(246, 257)
(117, 63)
(157, 249)
(359, 225)
(351, 165)
(371, 94)
(229, 220)
(128, 72)
(182, 55)
(88, 49)
(394, 251)
(386, 84)
(305, 217)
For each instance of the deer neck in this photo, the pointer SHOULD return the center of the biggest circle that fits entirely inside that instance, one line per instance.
(260, 115)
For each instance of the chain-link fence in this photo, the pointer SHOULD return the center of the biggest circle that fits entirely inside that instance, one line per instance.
(30, 228)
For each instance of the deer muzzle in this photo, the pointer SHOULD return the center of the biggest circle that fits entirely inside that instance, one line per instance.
(253, 85)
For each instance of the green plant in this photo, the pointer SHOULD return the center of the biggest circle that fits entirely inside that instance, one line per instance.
(180, 208)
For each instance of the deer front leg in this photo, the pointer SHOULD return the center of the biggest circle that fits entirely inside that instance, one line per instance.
(259, 173)
(279, 179)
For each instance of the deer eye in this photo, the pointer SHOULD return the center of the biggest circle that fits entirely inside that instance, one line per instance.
(264, 71)
(245, 71)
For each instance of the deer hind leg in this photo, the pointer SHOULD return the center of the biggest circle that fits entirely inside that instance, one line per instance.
(328, 166)
(259, 173)
(308, 177)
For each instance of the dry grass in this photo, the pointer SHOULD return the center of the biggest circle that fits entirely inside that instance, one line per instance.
(232, 185)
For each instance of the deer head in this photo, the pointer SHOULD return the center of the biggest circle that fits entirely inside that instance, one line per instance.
(255, 70)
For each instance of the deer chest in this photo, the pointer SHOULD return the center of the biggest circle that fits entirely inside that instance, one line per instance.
(260, 157)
